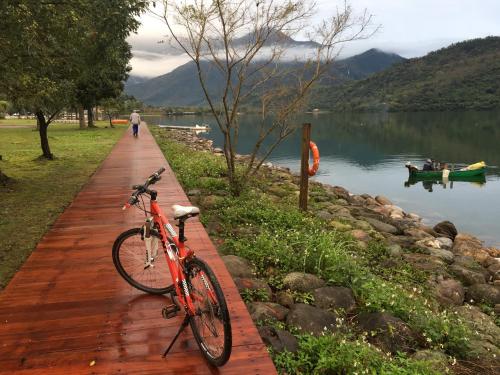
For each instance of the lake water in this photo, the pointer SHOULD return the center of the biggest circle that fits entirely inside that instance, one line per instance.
(366, 153)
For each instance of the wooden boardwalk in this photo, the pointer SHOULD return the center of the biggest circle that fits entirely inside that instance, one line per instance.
(67, 311)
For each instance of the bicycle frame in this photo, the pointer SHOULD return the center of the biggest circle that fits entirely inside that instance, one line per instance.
(175, 259)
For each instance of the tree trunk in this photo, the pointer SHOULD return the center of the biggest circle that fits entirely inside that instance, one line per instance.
(81, 117)
(90, 116)
(44, 140)
(110, 120)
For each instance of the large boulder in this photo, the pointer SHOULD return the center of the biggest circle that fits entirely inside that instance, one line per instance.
(237, 266)
(470, 246)
(446, 229)
(335, 298)
(425, 262)
(467, 276)
(418, 234)
(484, 293)
(382, 227)
(302, 282)
(310, 319)
(387, 332)
(449, 292)
(280, 340)
(443, 254)
(267, 310)
(340, 192)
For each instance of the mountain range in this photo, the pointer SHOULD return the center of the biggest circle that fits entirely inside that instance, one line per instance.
(465, 75)
(181, 87)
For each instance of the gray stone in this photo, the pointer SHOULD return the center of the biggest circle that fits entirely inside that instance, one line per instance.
(237, 266)
(267, 310)
(192, 192)
(387, 332)
(403, 241)
(467, 276)
(449, 292)
(218, 150)
(324, 215)
(446, 229)
(357, 200)
(445, 242)
(417, 233)
(445, 255)
(484, 293)
(426, 262)
(335, 298)
(302, 282)
(340, 192)
(280, 340)
(310, 319)
(381, 226)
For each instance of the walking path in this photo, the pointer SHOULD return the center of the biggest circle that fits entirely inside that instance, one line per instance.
(68, 311)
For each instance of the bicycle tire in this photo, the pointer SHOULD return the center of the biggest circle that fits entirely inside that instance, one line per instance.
(219, 312)
(159, 281)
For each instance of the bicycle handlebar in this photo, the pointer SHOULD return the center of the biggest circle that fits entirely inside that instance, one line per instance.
(140, 189)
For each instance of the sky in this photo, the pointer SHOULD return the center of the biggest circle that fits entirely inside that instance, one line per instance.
(410, 28)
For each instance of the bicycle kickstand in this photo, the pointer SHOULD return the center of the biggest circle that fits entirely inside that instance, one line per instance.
(184, 324)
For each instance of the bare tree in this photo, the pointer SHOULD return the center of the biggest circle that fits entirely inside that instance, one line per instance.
(245, 40)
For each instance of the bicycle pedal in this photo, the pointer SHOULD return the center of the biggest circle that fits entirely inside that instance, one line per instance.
(170, 311)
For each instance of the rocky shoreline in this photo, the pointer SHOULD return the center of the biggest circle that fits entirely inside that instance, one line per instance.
(462, 274)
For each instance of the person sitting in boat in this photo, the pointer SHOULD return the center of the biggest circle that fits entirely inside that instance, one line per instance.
(428, 165)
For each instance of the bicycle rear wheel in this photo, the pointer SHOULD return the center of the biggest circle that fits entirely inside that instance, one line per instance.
(211, 325)
(130, 257)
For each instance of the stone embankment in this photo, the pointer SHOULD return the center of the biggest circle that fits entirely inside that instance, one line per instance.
(463, 273)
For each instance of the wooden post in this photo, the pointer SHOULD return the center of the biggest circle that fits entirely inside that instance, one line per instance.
(304, 167)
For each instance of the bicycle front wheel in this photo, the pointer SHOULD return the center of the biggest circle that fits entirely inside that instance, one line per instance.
(145, 270)
(211, 324)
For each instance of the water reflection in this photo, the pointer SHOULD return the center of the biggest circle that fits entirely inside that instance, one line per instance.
(428, 184)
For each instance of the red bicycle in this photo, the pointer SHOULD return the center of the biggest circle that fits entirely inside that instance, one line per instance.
(190, 281)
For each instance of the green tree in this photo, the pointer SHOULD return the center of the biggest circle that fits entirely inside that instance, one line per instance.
(37, 58)
(47, 56)
(243, 41)
(105, 53)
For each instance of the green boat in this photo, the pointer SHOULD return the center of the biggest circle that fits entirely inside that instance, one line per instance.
(414, 179)
(453, 176)
(477, 169)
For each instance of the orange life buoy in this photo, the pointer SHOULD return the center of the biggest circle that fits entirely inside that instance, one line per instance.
(314, 149)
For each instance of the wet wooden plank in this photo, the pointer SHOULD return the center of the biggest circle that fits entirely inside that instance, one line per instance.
(68, 306)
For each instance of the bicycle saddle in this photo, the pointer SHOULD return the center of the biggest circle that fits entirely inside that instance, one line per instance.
(184, 211)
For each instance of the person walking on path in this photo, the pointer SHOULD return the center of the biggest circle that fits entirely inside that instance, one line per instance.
(135, 120)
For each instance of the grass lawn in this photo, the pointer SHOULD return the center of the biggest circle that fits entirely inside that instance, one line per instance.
(17, 121)
(42, 189)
